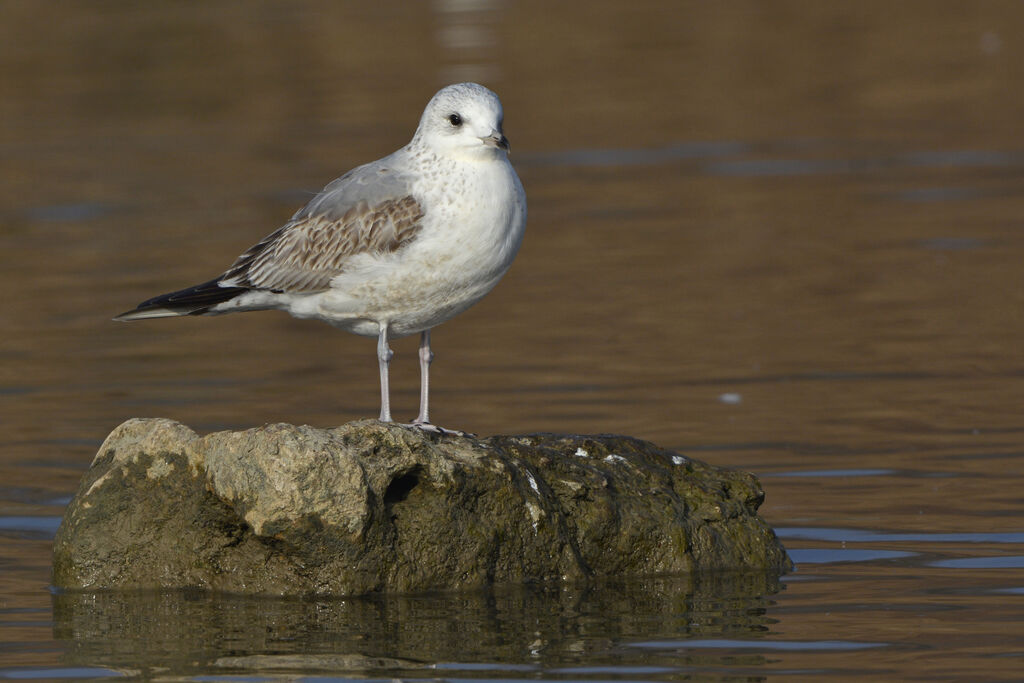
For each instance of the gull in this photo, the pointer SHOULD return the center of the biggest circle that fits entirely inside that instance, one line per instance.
(391, 248)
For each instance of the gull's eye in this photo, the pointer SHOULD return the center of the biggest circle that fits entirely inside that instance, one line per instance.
(455, 120)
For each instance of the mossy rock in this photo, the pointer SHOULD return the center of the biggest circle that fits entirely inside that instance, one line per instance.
(370, 507)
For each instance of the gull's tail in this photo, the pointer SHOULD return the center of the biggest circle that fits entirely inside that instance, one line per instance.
(195, 300)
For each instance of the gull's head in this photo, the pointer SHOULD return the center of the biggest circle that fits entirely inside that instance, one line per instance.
(463, 120)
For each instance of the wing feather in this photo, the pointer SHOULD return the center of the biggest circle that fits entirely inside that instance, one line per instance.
(310, 250)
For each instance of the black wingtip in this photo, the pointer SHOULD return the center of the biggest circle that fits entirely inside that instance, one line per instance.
(195, 300)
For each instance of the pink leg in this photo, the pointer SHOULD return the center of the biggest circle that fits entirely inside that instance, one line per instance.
(384, 355)
(426, 355)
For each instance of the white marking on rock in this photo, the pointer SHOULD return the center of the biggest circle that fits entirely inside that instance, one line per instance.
(535, 514)
(99, 482)
(678, 460)
(580, 453)
(614, 458)
(159, 468)
(533, 483)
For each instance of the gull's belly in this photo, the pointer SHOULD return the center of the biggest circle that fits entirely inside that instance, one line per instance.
(416, 297)
(418, 289)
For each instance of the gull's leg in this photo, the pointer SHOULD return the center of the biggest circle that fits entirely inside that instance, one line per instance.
(384, 355)
(426, 355)
(423, 420)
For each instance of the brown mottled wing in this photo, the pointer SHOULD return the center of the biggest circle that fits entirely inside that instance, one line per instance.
(305, 254)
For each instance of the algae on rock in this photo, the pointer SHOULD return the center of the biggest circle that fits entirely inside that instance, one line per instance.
(369, 507)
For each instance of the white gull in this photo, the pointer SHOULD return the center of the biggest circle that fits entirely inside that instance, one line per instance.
(391, 248)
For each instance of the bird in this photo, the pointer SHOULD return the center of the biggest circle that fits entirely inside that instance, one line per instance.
(391, 248)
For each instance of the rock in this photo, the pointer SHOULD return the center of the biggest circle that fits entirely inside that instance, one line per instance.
(370, 507)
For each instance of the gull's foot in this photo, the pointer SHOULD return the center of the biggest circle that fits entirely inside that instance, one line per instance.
(434, 429)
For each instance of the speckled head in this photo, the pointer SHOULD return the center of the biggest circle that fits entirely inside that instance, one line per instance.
(464, 121)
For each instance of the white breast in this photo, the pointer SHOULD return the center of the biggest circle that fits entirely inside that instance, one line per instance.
(473, 226)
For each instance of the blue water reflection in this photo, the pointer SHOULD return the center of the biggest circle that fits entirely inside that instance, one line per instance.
(866, 536)
(835, 555)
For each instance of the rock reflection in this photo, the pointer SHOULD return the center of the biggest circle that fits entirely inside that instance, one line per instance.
(187, 632)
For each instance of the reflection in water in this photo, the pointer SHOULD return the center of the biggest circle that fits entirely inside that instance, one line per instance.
(807, 556)
(998, 562)
(30, 527)
(863, 535)
(466, 32)
(818, 645)
(190, 633)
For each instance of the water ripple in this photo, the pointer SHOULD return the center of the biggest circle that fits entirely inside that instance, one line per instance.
(789, 645)
(864, 536)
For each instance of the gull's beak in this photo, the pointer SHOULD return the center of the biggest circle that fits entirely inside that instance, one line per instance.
(496, 139)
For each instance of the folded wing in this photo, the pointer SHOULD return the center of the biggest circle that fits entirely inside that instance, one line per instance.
(368, 210)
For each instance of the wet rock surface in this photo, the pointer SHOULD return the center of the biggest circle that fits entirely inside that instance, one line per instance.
(369, 507)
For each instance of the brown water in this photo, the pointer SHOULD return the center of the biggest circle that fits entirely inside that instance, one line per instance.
(785, 237)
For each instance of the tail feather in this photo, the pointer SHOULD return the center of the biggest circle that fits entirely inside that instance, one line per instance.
(195, 300)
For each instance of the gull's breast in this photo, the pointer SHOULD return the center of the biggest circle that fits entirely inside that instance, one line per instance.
(473, 226)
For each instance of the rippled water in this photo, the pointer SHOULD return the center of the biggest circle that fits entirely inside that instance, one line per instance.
(783, 237)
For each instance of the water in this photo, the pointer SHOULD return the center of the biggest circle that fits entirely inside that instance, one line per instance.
(785, 238)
